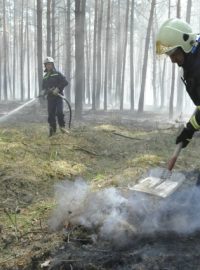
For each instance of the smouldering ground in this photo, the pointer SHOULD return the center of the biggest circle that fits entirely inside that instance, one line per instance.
(104, 155)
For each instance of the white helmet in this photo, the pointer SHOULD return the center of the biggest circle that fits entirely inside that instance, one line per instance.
(175, 33)
(48, 59)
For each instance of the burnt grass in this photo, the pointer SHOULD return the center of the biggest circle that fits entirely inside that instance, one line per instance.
(78, 248)
(166, 250)
(158, 251)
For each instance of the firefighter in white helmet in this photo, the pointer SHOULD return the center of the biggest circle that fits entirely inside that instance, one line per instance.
(176, 39)
(53, 83)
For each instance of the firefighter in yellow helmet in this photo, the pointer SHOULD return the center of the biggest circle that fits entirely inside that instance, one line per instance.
(176, 39)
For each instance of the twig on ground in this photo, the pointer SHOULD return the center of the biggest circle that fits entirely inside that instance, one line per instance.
(128, 137)
(87, 151)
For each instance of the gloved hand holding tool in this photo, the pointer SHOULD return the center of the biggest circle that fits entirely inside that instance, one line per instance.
(186, 135)
(182, 140)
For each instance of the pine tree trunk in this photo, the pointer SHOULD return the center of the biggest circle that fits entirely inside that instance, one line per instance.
(119, 60)
(22, 51)
(68, 51)
(99, 71)
(145, 60)
(48, 46)
(171, 107)
(39, 43)
(124, 56)
(154, 84)
(53, 29)
(79, 56)
(106, 56)
(88, 61)
(132, 91)
(94, 57)
(28, 52)
(14, 52)
(5, 89)
(162, 92)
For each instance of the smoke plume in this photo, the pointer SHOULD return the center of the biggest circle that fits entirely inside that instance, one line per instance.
(117, 216)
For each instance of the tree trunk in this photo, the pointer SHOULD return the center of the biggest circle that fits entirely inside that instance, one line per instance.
(119, 60)
(180, 85)
(94, 57)
(188, 11)
(162, 91)
(145, 60)
(53, 29)
(106, 56)
(39, 43)
(5, 88)
(88, 60)
(28, 52)
(154, 84)
(124, 56)
(171, 107)
(22, 51)
(14, 51)
(79, 56)
(99, 71)
(48, 46)
(132, 91)
(68, 50)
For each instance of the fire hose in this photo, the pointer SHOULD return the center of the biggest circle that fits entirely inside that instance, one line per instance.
(66, 101)
(69, 107)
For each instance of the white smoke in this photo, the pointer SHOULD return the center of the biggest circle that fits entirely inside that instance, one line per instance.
(70, 197)
(117, 216)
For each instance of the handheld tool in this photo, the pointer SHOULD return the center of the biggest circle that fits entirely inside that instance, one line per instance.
(162, 182)
(175, 155)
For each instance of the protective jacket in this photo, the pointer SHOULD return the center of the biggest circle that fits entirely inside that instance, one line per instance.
(54, 79)
(191, 78)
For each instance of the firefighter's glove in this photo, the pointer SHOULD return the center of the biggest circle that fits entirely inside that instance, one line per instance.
(186, 135)
(55, 91)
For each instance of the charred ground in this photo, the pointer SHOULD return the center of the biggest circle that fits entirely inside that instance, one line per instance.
(105, 149)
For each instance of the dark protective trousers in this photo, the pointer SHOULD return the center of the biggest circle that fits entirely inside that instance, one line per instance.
(55, 108)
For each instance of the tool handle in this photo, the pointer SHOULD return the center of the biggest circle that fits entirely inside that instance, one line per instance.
(176, 153)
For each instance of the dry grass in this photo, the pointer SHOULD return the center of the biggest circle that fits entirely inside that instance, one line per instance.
(31, 163)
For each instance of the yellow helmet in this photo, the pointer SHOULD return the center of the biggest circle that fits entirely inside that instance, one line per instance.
(175, 33)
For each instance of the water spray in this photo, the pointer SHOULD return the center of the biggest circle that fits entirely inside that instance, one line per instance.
(5, 117)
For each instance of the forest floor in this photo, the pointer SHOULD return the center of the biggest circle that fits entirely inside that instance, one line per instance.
(104, 150)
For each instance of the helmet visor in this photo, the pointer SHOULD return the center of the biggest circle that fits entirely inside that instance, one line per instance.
(163, 49)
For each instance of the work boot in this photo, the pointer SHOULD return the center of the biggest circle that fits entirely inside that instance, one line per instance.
(51, 131)
(63, 130)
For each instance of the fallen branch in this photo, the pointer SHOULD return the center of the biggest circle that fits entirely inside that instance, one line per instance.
(125, 136)
(85, 150)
